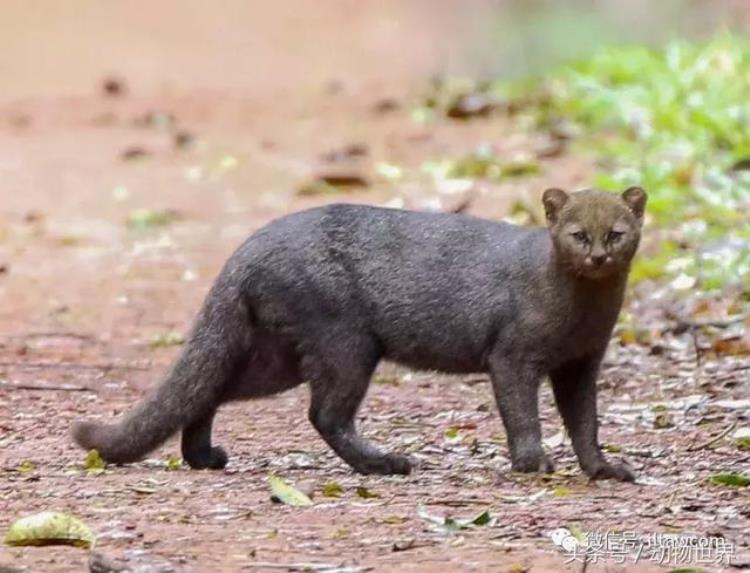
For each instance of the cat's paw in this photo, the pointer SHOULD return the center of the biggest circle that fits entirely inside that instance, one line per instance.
(619, 472)
(387, 464)
(536, 461)
(214, 459)
(402, 465)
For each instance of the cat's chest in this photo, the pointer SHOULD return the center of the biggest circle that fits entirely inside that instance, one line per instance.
(583, 327)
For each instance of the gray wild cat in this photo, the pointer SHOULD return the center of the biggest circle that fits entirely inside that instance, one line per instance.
(321, 296)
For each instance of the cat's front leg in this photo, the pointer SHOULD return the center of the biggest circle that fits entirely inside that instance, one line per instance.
(515, 381)
(574, 385)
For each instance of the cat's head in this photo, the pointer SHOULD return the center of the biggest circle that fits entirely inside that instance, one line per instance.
(595, 233)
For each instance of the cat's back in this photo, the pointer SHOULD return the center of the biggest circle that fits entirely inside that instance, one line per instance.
(349, 225)
(367, 243)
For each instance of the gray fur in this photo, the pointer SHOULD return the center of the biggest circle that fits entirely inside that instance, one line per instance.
(322, 295)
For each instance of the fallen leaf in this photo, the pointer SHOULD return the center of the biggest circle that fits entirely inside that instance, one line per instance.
(663, 420)
(561, 491)
(467, 106)
(26, 466)
(387, 380)
(404, 545)
(482, 519)
(144, 489)
(389, 171)
(50, 528)
(173, 463)
(145, 219)
(386, 105)
(341, 533)
(576, 532)
(282, 492)
(228, 162)
(183, 139)
(333, 182)
(521, 168)
(730, 479)
(133, 153)
(94, 464)
(449, 524)
(113, 86)
(171, 338)
(393, 520)
(365, 493)
(343, 179)
(332, 489)
(451, 434)
(741, 164)
(733, 346)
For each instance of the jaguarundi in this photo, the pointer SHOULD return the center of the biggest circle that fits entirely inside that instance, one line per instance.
(322, 295)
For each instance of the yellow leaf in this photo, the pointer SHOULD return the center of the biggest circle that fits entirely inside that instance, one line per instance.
(50, 528)
(285, 493)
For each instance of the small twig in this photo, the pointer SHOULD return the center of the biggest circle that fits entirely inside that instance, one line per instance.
(462, 502)
(51, 334)
(52, 388)
(712, 441)
(303, 566)
(683, 324)
(696, 345)
(407, 545)
(463, 205)
(71, 365)
(476, 380)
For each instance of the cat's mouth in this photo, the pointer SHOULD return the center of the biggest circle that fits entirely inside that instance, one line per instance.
(597, 269)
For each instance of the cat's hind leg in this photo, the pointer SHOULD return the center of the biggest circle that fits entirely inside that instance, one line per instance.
(272, 368)
(197, 450)
(339, 376)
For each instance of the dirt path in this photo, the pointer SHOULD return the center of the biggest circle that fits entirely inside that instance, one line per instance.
(84, 297)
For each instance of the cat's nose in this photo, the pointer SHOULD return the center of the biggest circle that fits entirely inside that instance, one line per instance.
(598, 260)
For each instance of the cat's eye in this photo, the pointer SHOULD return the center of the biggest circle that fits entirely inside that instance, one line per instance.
(614, 236)
(581, 236)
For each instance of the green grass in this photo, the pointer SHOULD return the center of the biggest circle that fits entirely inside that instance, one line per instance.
(676, 121)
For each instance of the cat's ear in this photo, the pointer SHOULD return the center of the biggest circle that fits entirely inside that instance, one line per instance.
(554, 199)
(635, 198)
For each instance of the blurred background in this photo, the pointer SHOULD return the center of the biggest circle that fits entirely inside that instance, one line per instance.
(161, 133)
(58, 47)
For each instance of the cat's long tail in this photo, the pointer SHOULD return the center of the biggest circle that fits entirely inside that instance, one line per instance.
(216, 350)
